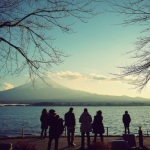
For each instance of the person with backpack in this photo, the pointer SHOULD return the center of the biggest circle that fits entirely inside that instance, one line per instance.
(70, 124)
(86, 127)
(56, 128)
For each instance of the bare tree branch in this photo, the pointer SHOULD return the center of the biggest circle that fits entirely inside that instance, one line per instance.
(136, 12)
(25, 32)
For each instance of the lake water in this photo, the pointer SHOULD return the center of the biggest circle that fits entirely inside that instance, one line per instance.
(13, 119)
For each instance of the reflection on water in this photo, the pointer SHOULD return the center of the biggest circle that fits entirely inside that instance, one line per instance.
(13, 119)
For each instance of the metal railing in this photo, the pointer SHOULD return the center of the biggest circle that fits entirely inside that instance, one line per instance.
(145, 133)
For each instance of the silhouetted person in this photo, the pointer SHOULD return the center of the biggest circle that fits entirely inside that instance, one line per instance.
(126, 120)
(55, 129)
(44, 123)
(70, 124)
(86, 127)
(98, 127)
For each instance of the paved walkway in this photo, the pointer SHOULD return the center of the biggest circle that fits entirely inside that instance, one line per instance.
(41, 144)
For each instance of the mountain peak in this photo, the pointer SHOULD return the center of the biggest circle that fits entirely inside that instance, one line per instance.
(42, 83)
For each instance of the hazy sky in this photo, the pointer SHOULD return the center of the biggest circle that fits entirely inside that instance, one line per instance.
(96, 49)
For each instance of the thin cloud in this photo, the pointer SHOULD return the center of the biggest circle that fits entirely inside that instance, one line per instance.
(104, 78)
(97, 77)
(78, 76)
(70, 75)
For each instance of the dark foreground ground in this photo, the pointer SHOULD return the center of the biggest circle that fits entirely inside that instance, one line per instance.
(41, 144)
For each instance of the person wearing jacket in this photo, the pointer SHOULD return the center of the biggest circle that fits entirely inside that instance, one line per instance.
(98, 127)
(55, 129)
(70, 123)
(126, 121)
(86, 127)
(44, 123)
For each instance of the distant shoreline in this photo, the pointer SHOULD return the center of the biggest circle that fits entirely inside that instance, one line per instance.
(79, 104)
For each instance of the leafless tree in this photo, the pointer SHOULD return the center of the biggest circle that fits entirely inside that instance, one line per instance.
(136, 12)
(25, 32)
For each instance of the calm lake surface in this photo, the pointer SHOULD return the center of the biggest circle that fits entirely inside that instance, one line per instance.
(13, 119)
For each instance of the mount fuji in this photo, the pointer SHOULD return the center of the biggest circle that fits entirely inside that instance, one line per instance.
(54, 92)
(40, 91)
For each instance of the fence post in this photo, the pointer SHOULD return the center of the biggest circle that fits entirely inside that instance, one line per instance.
(107, 131)
(65, 131)
(140, 137)
(22, 132)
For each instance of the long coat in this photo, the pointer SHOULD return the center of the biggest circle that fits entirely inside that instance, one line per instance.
(55, 129)
(70, 119)
(85, 120)
(98, 126)
(44, 121)
(126, 120)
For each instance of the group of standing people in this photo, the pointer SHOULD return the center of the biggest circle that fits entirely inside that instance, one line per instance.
(56, 126)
